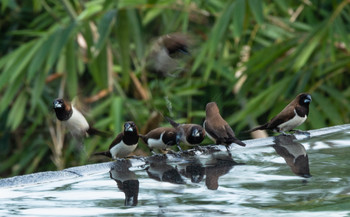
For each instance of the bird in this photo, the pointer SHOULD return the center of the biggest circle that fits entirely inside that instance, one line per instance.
(166, 52)
(217, 129)
(161, 138)
(74, 119)
(190, 134)
(293, 115)
(124, 144)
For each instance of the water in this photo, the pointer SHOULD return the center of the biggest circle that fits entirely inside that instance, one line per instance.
(255, 180)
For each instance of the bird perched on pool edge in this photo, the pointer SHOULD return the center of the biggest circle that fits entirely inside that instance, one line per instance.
(293, 115)
(190, 134)
(124, 144)
(161, 138)
(74, 119)
(217, 129)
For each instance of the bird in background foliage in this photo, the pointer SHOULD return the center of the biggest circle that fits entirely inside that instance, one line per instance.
(166, 52)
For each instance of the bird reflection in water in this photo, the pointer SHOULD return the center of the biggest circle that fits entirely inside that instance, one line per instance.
(193, 170)
(160, 170)
(293, 153)
(126, 180)
(217, 165)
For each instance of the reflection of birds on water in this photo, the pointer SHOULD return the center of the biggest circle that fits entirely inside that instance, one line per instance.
(193, 170)
(293, 153)
(126, 181)
(218, 165)
(159, 170)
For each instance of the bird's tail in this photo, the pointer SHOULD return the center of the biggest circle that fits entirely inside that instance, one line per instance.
(261, 127)
(104, 153)
(237, 141)
(172, 122)
(94, 131)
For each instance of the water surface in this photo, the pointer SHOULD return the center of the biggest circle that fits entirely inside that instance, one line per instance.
(286, 178)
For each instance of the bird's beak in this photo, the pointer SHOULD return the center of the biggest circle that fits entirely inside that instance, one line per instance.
(57, 104)
(308, 99)
(196, 133)
(128, 127)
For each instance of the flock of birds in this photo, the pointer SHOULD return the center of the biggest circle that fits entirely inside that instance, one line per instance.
(214, 126)
(163, 61)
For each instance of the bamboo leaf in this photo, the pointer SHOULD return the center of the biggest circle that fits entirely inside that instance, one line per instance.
(256, 6)
(238, 17)
(72, 75)
(58, 40)
(116, 113)
(328, 108)
(39, 58)
(17, 111)
(124, 48)
(104, 28)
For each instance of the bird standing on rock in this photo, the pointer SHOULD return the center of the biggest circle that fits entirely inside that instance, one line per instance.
(161, 138)
(217, 128)
(293, 115)
(190, 134)
(124, 144)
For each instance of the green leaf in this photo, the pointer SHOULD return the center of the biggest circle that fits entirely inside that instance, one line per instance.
(58, 40)
(10, 93)
(72, 75)
(328, 108)
(104, 28)
(39, 58)
(116, 113)
(137, 33)
(308, 47)
(25, 54)
(256, 7)
(17, 111)
(238, 17)
(123, 35)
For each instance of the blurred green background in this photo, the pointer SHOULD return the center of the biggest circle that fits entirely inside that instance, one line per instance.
(250, 56)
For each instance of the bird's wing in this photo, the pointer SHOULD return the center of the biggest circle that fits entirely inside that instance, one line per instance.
(116, 140)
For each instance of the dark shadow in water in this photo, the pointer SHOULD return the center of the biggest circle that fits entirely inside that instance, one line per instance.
(160, 170)
(126, 180)
(193, 170)
(218, 164)
(293, 153)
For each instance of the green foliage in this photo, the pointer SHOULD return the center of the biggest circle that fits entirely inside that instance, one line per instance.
(251, 57)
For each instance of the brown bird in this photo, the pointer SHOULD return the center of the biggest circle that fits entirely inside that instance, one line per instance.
(125, 143)
(161, 138)
(74, 119)
(190, 134)
(293, 115)
(217, 128)
(166, 53)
